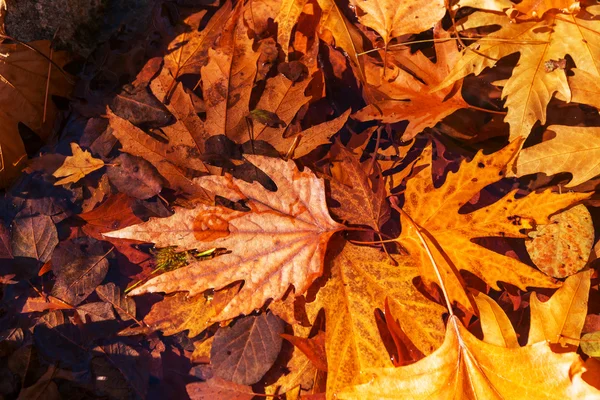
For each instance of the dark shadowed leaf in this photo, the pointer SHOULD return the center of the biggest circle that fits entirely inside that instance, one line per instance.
(135, 177)
(79, 265)
(34, 237)
(5, 246)
(140, 107)
(120, 371)
(125, 306)
(244, 352)
(58, 340)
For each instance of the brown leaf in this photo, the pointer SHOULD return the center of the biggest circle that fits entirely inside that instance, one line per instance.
(135, 177)
(281, 231)
(114, 213)
(244, 352)
(124, 306)
(217, 388)
(34, 237)
(360, 202)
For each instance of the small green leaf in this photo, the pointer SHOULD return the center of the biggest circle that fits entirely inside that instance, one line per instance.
(590, 344)
(267, 118)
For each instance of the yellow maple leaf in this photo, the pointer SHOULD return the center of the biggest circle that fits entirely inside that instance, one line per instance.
(75, 167)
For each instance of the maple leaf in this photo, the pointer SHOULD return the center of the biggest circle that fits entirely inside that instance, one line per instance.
(75, 167)
(537, 8)
(532, 84)
(434, 227)
(361, 280)
(407, 98)
(465, 367)
(280, 241)
(391, 20)
(574, 149)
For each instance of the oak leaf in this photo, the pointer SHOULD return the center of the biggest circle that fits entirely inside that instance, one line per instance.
(433, 227)
(532, 84)
(75, 167)
(280, 241)
(466, 368)
(390, 19)
(574, 149)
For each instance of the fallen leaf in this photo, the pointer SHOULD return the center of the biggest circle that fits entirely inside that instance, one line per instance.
(361, 280)
(244, 352)
(448, 233)
(178, 313)
(560, 319)
(390, 19)
(573, 149)
(125, 306)
(34, 237)
(281, 231)
(561, 248)
(497, 328)
(217, 388)
(313, 348)
(75, 167)
(465, 367)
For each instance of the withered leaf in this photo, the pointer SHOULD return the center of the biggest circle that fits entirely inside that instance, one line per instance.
(79, 265)
(178, 313)
(280, 241)
(59, 340)
(217, 388)
(244, 352)
(114, 213)
(34, 237)
(135, 177)
(124, 305)
(123, 369)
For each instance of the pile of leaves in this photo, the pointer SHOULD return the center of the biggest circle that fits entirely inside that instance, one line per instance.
(306, 199)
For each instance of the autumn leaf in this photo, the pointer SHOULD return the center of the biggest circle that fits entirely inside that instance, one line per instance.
(391, 20)
(574, 149)
(407, 98)
(537, 8)
(465, 367)
(282, 231)
(346, 35)
(75, 167)
(289, 12)
(188, 52)
(448, 233)
(361, 280)
(561, 248)
(560, 319)
(532, 84)
(228, 78)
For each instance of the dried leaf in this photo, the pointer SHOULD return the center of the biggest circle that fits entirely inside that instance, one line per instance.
(217, 388)
(34, 237)
(178, 313)
(561, 248)
(124, 306)
(244, 352)
(283, 230)
(75, 167)
(448, 233)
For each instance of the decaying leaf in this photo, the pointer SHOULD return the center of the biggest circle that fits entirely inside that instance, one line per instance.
(244, 352)
(280, 241)
(561, 248)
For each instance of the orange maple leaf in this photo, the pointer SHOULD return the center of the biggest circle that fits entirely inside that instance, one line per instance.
(280, 241)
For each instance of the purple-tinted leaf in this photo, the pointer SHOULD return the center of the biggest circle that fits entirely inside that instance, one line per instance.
(34, 237)
(244, 352)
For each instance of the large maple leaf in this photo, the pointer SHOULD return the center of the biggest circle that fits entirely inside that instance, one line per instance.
(534, 80)
(434, 227)
(465, 367)
(280, 241)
